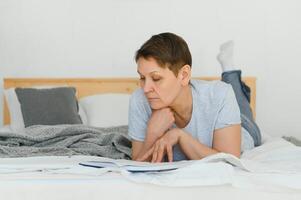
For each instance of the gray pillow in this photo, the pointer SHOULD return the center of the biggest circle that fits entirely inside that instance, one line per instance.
(50, 106)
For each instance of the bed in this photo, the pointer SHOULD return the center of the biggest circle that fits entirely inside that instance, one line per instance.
(271, 171)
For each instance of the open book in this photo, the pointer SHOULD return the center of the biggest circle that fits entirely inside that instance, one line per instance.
(134, 166)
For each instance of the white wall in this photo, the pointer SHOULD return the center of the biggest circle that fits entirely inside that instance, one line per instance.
(98, 38)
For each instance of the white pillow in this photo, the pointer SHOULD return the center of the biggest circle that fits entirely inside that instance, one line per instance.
(104, 110)
(14, 107)
(5, 129)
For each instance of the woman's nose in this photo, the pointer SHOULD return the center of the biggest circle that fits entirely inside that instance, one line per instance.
(147, 87)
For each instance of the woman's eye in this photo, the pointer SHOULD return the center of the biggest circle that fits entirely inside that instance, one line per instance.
(156, 79)
(142, 78)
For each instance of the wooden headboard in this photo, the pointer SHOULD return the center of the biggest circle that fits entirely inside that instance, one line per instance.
(92, 86)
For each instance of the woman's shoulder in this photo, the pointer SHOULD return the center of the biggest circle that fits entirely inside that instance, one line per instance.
(213, 90)
(138, 97)
(138, 93)
(213, 86)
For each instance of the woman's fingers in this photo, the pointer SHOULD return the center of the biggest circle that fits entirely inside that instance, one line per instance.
(169, 153)
(147, 154)
(155, 153)
(160, 152)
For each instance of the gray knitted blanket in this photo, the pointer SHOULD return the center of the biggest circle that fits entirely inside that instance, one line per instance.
(66, 140)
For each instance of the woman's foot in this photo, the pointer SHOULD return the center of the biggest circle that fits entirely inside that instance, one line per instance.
(225, 56)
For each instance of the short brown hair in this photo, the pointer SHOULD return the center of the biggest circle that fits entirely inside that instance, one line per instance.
(168, 49)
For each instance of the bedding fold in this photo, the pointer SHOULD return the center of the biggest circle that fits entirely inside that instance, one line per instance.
(66, 140)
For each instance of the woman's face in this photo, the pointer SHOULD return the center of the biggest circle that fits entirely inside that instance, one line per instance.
(160, 85)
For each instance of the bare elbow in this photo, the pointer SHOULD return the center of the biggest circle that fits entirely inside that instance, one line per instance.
(135, 158)
(237, 155)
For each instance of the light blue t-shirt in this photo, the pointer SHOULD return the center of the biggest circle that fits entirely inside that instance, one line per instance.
(214, 107)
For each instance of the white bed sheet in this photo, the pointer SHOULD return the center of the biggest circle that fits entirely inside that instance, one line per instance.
(117, 188)
(275, 166)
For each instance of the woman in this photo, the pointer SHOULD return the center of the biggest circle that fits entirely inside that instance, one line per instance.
(172, 117)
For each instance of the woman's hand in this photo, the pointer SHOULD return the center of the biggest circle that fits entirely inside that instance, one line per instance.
(163, 146)
(160, 121)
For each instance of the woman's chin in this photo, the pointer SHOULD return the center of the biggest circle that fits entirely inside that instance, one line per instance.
(156, 105)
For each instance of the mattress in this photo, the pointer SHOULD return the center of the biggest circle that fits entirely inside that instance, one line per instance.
(94, 185)
(274, 173)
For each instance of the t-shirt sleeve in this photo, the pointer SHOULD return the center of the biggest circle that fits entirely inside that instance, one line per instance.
(138, 118)
(229, 112)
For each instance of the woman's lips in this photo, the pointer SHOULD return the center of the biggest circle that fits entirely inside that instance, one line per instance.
(152, 99)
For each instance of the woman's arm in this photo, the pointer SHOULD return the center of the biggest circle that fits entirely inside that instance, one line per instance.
(140, 148)
(160, 121)
(227, 140)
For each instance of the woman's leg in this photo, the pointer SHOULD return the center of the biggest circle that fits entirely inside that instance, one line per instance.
(241, 90)
(242, 93)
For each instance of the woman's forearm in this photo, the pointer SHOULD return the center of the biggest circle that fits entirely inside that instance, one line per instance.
(193, 149)
(147, 144)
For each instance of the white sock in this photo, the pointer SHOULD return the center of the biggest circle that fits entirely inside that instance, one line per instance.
(225, 56)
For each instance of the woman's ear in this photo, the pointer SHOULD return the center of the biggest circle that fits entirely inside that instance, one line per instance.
(185, 75)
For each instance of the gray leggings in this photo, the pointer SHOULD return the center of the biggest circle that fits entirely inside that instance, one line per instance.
(242, 93)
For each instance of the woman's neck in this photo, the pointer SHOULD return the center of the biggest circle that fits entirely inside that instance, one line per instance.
(182, 107)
